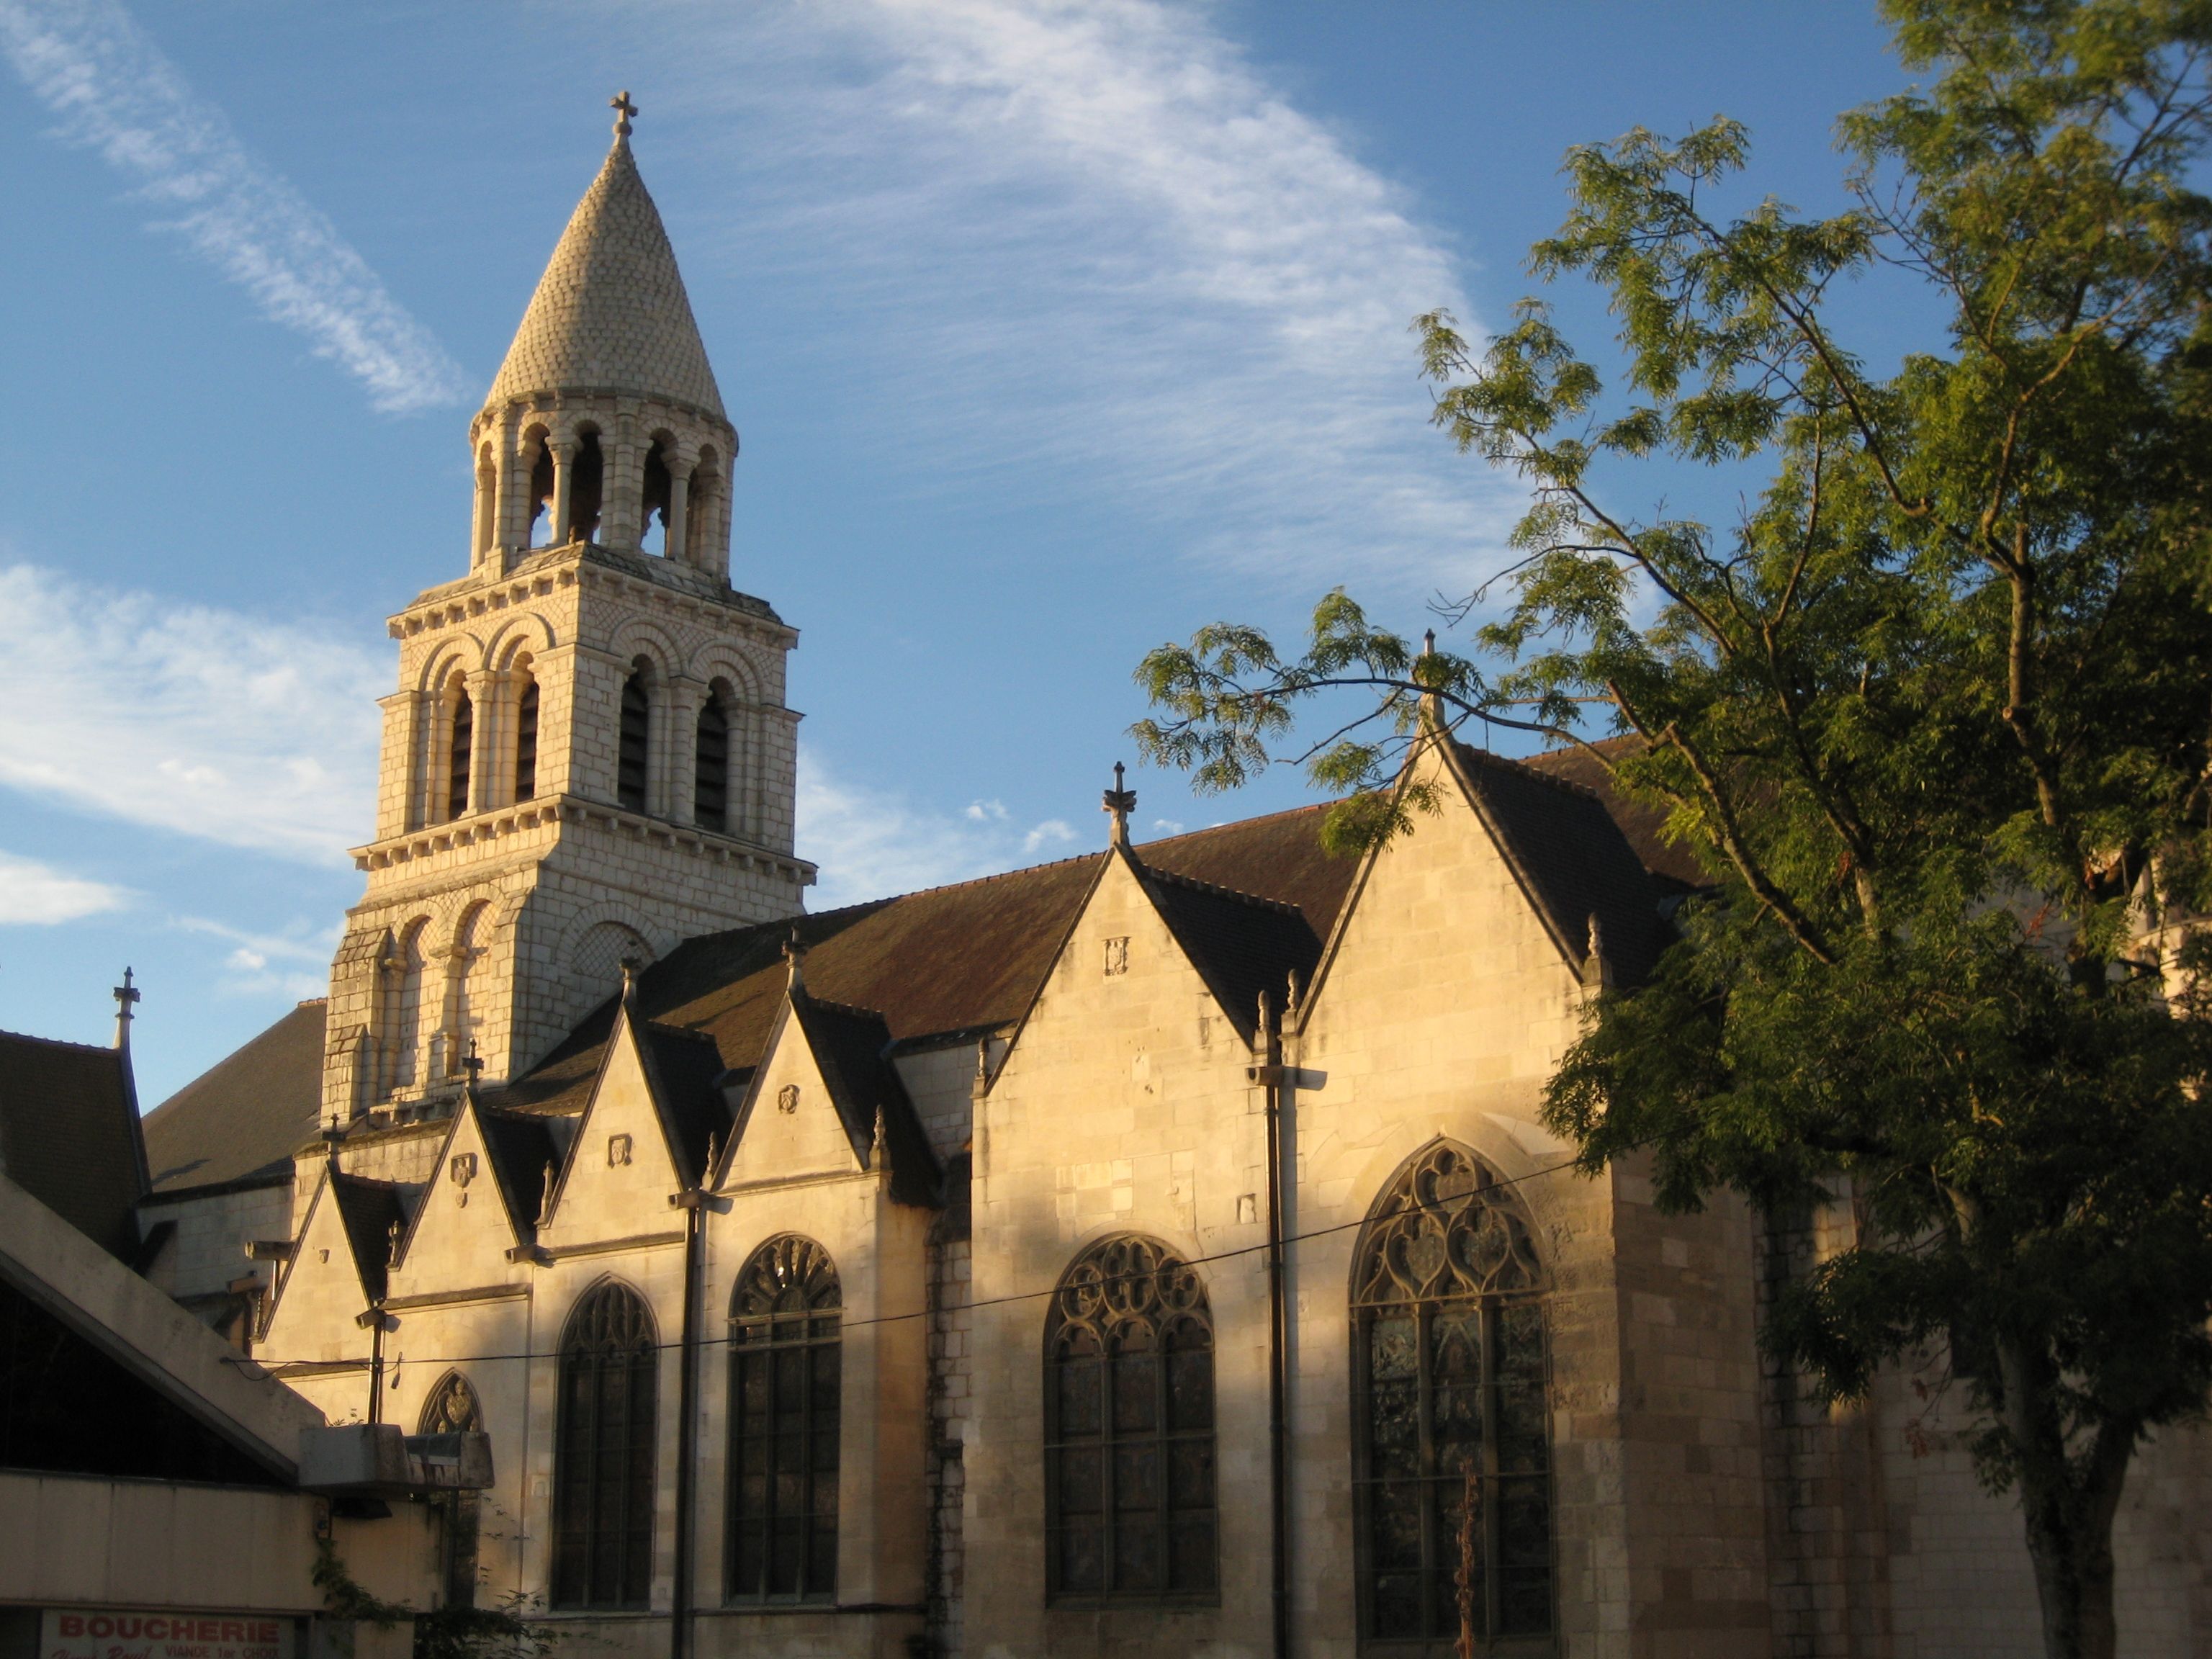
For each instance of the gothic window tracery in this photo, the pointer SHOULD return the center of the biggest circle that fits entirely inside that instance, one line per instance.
(451, 1408)
(635, 749)
(1130, 1512)
(603, 1471)
(1453, 1454)
(784, 1406)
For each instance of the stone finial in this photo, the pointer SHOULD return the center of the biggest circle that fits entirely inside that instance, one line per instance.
(1117, 804)
(126, 994)
(545, 1203)
(625, 112)
(794, 956)
(878, 1159)
(631, 967)
(474, 1066)
(1597, 974)
(391, 1245)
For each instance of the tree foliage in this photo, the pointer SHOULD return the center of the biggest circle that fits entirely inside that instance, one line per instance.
(1934, 711)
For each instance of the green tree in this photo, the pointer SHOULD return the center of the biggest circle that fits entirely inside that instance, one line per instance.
(1934, 712)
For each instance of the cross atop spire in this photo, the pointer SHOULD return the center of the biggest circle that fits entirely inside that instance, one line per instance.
(126, 994)
(1117, 804)
(625, 112)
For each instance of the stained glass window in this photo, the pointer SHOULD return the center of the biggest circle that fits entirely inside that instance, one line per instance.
(784, 1403)
(1129, 1452)
(604, 1458)
(1453, 1472)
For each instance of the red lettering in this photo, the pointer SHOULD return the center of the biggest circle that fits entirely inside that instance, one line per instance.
(233, 1631)
(72, 1624)
(99, 1625)
(129, 1627)
(265, 1630)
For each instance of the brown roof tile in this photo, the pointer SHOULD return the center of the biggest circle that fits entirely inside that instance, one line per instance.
(69, 1136)
(242, 1120)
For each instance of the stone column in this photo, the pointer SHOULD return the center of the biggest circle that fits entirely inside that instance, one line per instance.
(486, 723)
(509, 528)
(564, 474)
(621, 460)
(679, 501)
(681, 769)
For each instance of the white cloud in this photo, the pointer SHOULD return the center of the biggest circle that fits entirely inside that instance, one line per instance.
(1095, 237)
(871, 844)
(114, 91)
(38, 895)
(985, 811)
(184, 718)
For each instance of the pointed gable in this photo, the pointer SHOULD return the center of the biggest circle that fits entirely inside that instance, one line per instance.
(368, 1211)
(1569, 857)
(1241, 945)
(851, 1049)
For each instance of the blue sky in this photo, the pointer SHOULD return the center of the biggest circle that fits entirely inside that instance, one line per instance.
(1052, 331)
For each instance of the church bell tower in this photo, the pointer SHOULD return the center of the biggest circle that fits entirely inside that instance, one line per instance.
(588, 758)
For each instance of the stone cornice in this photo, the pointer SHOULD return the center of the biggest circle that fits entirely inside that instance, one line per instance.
(540, 819)
(670, 587)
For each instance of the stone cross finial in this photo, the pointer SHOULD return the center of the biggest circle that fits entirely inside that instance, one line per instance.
(473, 1066)
(1117, 804)
(625, 112)
(126, 994)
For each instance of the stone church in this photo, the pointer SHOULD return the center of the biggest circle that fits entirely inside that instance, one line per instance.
(1155, 1252)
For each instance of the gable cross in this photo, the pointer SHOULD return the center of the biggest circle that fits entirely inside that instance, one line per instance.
(126, 994)
(625, 112)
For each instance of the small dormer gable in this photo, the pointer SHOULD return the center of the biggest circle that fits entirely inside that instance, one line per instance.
(629, 1155)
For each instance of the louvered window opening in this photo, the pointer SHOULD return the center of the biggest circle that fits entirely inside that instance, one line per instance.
(636, 727)
(452, 1408)
(1452, 1484)
(711, 770)
(603, 1454)
(1129, 1436)
(463, 735)
(785, 1378)
(525, 742)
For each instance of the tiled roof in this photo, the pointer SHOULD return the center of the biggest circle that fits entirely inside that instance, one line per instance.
(1645, 826)
(1571, 858)
(964, 958)
(1241, 945)
(521, 1145)
(242, 1120)
(686, 1068)
(610, 314)
(852, 1046)
(68, 1135)
(370, 1210)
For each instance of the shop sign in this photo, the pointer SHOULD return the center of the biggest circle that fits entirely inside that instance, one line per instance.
(170, 1633)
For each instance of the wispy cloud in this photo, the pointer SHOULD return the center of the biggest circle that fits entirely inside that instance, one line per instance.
(1099, 242)
(114, 91)
(202, 722)
(38, 895)
(871, 843)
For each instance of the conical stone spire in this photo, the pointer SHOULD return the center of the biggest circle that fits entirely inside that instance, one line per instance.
(611, 315)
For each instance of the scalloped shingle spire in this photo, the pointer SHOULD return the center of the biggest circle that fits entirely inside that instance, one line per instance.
(610, 314)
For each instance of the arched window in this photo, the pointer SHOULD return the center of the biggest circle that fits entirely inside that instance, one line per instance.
(526, 736)
(658, 492)
(541, 488)
(399, 1020)
(1129, 1497)
(586, 487)
(451, 1408)
(710, 773)
(460, 1013)
(603, 1454)
(460, 739)
(1449, 1370)
(636, 741)
(784, 1383)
